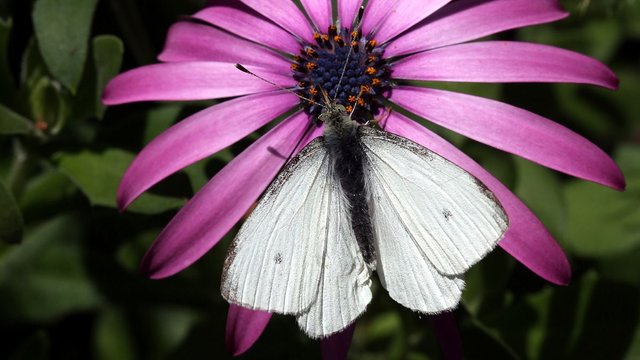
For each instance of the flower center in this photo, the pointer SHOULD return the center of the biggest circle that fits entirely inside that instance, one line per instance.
(348, 67)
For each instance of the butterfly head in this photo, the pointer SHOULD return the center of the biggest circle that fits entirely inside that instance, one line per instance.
(336, 119)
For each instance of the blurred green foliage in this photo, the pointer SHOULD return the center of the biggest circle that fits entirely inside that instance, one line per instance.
(69, 286)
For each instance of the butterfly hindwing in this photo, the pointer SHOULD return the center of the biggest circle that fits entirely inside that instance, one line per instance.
(432, 220)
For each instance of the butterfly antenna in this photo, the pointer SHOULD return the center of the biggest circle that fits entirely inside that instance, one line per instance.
(245, 70)
(325, 96)
(346, 62)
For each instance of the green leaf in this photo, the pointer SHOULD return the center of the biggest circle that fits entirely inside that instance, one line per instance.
(498, 163)
(62, 28)
(541, 190)
(598, 37)
(628, 158)
(32, 67)
(155, 204)
(107, 57)
(11, 225)
(46, 194)
(160, 119)
(197, 172)
(107, 51)
(604, 222)
(98, 176)
(45, 277)
(12, 123)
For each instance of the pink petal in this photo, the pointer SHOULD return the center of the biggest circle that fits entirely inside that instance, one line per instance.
(527, 240)
(286, 14)
(384, 19)
(513, 130)
(239, 19)
(189, 41)
(320, 12)
(446, 329)
(199, 136)
(347, 10)
(189, 81)
(336, 346)
(465, 20)
(504, 61)
(213, 211)
(244, 327)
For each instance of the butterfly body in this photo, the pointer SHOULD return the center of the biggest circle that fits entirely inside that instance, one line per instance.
(348, 161)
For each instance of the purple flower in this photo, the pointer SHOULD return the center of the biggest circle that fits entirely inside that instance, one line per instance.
(399, 40)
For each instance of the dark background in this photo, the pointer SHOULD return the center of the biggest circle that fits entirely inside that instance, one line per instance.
(70, 289)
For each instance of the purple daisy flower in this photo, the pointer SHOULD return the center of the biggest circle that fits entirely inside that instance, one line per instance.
(397, 41)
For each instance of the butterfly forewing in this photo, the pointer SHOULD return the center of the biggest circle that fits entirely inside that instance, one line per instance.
(449, 216)
(297, 253)
(275, 261)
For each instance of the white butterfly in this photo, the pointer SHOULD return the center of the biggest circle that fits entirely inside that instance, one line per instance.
(354, 201)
